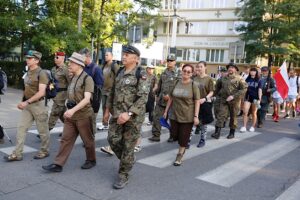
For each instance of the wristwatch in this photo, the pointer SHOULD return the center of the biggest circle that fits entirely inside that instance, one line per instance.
(130, 114)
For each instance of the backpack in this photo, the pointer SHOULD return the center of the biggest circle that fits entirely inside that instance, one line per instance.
(3, 82)
(52, 85)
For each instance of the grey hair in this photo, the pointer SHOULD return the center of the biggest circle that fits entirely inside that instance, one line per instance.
(85, 51)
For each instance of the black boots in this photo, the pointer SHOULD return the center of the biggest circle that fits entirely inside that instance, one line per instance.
(217, 133)
(231, 134)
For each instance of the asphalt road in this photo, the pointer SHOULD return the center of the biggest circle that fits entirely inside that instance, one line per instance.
(264, 165)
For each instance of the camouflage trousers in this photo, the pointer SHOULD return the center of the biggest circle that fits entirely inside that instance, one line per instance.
(57, 112)
(224, 109)
(158, 113)
(122, 140)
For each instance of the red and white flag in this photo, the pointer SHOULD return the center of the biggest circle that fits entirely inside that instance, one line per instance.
(282, 81)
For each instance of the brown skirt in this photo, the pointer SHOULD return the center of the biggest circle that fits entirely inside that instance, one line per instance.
(181, 132)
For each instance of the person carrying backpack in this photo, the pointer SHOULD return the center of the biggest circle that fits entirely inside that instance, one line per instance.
(61, 74)
(33, 108)
(96, 73)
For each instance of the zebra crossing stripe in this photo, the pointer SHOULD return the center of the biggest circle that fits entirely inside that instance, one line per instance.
(238, 169)
(292, 193)
(166, 159)
(26, 149)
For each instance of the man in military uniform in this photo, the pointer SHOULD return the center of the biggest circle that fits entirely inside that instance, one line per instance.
(126, 103)
(33, 108)
(268, 87)
(166, 83)
(229, 90)
(61, 74)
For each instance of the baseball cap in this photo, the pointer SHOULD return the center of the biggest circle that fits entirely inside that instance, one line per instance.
(264, 68)
(151, 67)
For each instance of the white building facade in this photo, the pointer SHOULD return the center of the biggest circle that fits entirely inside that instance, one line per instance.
(205, 29)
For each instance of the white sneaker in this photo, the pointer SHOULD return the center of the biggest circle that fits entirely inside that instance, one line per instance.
(243, 129)
(252, 129)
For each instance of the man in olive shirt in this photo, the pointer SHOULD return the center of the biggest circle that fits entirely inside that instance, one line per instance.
(229, 90)
(166, 83)
(33, 108)
(61, 74)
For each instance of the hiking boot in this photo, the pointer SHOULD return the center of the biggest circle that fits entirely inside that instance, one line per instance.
(154, 139)
(121, 182)
(41, 155)
(294, 114)
(107, 150)
(217, 133)
(178, 160)
(12, 157)
(170, 139)
(201, 143)
(88, 164)
(53, 168)
(231, 134)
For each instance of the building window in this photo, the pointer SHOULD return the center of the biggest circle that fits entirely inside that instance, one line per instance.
(217, 28)
(172, 4)
(219, 3)
(193, 28)
(215, 55)
(192, 55)
(194, 4)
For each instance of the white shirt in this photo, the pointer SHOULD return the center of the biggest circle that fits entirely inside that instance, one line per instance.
(293, 85)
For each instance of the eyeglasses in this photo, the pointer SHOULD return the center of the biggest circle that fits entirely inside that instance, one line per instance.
(187, 72)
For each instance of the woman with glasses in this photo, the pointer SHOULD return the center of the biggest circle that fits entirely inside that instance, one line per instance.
(206, 86)
(184, 103)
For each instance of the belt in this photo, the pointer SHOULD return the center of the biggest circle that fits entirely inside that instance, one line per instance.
(62, 89)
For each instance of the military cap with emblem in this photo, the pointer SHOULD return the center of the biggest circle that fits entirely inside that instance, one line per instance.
(232, 65)
(171, 58)
(131, 50)
(34, 54)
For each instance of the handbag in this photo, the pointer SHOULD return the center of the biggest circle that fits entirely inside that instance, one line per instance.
(206, 115)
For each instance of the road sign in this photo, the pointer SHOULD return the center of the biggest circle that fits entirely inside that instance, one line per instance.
(117, 51)
(236, 50)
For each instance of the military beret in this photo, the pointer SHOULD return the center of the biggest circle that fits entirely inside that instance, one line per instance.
(171, 58)
(34, 54)
(264, 68)
(131, 50)
(232, 65)
(60, 54)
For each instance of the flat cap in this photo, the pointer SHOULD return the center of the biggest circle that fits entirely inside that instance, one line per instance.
(171, 57)
(232, 65)
(34, 54)
(131, 50)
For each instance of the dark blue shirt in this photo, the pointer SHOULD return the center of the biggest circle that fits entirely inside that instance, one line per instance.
(253, 86)
(96, 73)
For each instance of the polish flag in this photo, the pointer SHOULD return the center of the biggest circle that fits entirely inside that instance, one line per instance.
(281, 77)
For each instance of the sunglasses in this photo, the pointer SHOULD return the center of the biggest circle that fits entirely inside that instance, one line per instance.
(187, 72)
(170, 60)
(56, 57)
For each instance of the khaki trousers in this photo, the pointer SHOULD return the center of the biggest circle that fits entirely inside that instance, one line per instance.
(73, 128)
(33, 112)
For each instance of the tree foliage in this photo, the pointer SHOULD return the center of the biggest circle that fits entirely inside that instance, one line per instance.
(272, 28)
(51, 26)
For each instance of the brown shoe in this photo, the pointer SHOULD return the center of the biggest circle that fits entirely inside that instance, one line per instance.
(12, 157)
(41, 155)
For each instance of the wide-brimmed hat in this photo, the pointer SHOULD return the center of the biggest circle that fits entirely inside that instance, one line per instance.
(77, 58)
(34, 54)
(232, 65)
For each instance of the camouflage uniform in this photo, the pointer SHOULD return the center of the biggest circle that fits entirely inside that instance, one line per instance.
(165, 85)
(61, 74)
(128, 94)
(230, 85)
